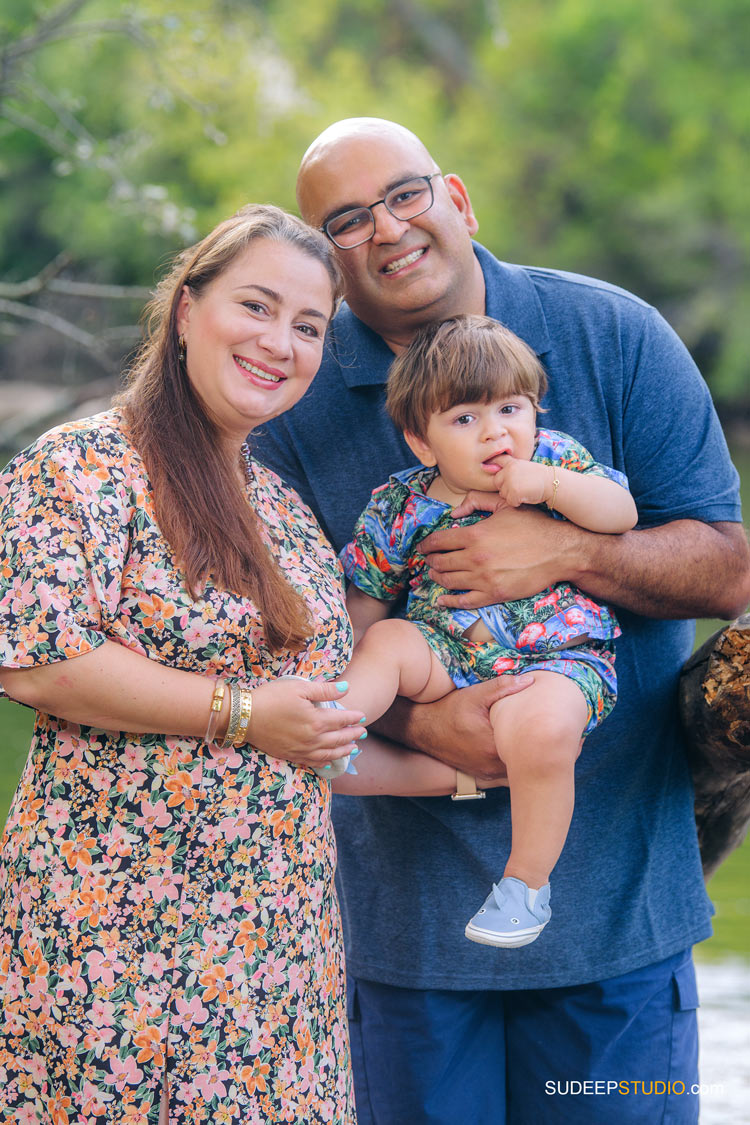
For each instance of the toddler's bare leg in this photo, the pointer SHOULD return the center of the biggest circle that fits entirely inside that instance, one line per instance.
(393, 658)
(538, 735)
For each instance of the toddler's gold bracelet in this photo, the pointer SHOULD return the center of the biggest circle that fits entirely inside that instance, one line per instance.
(555, 482)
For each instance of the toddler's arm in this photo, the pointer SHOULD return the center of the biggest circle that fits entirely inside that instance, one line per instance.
(591, 501)
(364, 611)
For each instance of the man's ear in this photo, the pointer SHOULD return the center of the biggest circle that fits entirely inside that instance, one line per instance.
(420, 449)
(461, 201)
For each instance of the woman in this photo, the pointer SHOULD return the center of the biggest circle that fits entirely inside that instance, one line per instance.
(168, 922)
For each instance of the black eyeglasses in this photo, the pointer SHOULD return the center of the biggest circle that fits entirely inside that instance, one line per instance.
(405, 201)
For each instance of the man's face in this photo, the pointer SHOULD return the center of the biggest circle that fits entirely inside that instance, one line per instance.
(411, 271)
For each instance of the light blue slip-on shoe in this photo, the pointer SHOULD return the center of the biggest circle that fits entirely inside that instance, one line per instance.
(506, 919)
(340, 765)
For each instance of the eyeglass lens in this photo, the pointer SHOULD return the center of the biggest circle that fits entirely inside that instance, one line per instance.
(405, 201)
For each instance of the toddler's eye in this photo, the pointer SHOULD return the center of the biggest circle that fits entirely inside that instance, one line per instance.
(464, 419)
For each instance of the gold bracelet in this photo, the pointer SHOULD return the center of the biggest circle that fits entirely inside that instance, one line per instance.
(555, 482)
(217, 703)
(234, 717)
(246, 710)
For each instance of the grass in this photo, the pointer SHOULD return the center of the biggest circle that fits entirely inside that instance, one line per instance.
(16, 723)
(729, 891)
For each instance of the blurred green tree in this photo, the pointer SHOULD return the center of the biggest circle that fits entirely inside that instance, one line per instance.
(606, 139)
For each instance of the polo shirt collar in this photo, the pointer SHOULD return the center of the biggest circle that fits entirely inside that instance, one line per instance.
(511, 298)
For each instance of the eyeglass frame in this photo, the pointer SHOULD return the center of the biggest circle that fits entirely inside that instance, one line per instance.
(429, 178)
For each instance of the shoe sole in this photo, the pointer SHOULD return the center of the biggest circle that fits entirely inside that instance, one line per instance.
(502, 941)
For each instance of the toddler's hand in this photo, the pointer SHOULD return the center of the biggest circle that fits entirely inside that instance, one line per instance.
(522, 482)
(517, 482)
(286, 724)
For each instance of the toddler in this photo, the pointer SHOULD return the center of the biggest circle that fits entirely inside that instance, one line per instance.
(465, 393)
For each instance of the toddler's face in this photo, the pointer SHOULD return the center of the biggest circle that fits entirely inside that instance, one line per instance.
(466, 440)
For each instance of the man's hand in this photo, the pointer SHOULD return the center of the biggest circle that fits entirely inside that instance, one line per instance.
(456, 729)
(515, 553)
(681, 569)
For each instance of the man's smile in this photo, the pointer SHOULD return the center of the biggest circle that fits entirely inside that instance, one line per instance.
(397, 264)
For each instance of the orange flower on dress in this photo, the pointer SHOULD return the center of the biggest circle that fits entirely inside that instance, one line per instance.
(250, 937)
(214, 983)
(148, 1040)
(255, 1077)
(34, 964)
(283, 820)
(77, 852)
(154, 611)
(181, 791)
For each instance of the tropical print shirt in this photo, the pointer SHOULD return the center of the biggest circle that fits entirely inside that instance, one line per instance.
(383, 560)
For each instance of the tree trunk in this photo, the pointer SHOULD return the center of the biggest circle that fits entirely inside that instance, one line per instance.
(715, 711)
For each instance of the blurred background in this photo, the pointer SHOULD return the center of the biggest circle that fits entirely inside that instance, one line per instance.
(608, 139)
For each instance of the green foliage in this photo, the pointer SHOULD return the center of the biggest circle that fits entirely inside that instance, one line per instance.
(608, 139)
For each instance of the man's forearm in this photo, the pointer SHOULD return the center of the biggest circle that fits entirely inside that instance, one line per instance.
(456, 729)
(682, 569)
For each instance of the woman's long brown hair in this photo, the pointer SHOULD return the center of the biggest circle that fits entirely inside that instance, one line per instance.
(200, 505)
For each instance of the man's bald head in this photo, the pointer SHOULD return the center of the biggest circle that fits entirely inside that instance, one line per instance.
(341, 141)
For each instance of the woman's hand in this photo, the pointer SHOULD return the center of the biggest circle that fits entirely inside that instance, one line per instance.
(286, 724)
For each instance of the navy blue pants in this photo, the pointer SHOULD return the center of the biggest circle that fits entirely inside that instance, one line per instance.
(623, 1050)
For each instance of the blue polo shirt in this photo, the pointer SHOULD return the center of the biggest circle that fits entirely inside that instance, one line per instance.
(628, 889)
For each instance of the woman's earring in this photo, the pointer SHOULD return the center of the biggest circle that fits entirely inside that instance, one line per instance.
(181, 348)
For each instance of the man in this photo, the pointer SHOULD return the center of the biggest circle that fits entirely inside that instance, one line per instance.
(444, 1030)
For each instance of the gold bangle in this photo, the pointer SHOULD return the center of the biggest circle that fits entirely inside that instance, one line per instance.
(246, 710)
(217, 703)
(234, 717)
(555, 482)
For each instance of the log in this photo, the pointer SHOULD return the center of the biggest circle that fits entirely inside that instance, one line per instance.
(714, 699)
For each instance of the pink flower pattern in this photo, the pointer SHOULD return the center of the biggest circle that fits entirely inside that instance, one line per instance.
(154, 909)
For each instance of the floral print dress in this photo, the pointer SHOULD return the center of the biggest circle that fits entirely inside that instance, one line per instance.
(161, 900)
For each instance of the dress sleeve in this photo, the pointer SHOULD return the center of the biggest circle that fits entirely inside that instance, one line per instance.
(375, 561)
(64, 528)
(555, 448)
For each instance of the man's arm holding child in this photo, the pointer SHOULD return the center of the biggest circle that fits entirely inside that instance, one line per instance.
(681, 569)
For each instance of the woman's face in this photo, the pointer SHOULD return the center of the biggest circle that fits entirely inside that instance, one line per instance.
(254, 336)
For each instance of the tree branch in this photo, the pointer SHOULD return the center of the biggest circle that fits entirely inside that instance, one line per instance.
(58, 324)
(47, 279)
(50, 30)
(17, 289)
